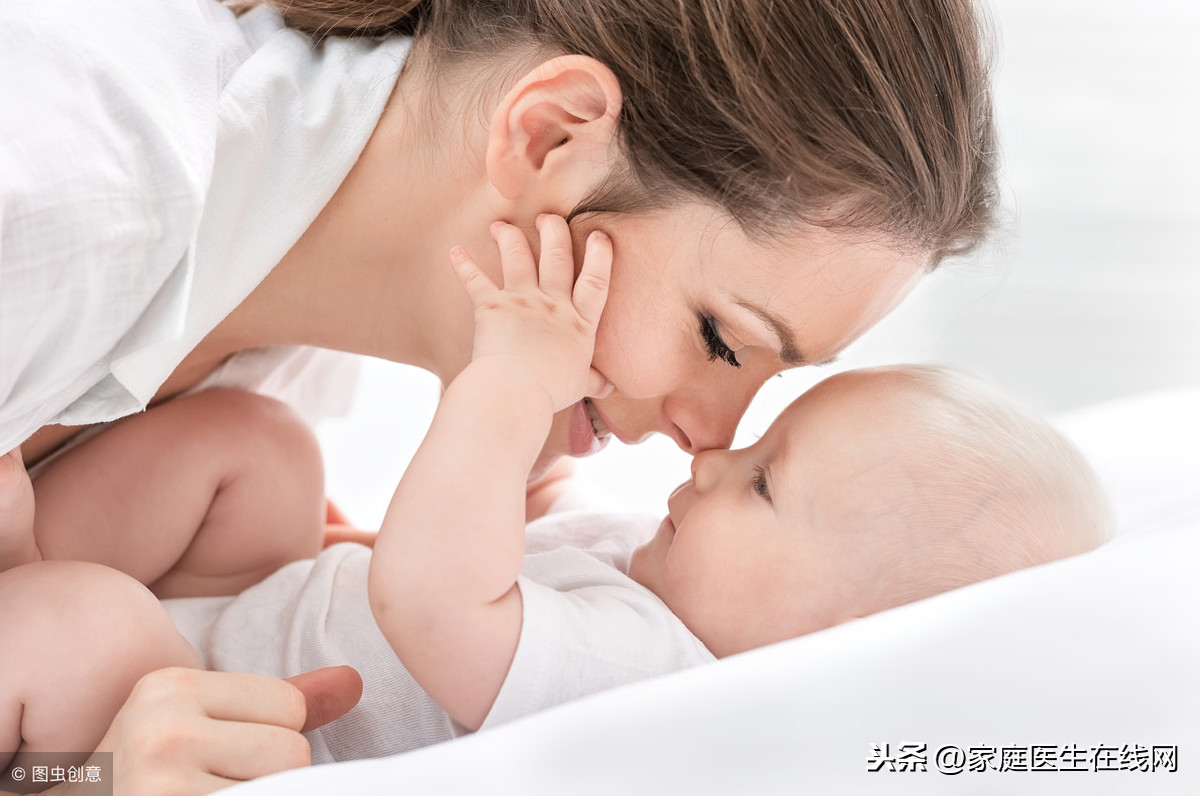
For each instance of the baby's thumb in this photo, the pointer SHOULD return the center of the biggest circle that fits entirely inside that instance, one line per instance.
(598, 386)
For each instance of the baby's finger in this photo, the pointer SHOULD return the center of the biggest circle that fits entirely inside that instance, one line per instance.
(516, 260)
(556, 265)
(598, 386)
(470, 276)
(591, 288)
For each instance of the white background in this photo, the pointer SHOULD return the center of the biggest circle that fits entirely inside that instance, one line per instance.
(1091, 292)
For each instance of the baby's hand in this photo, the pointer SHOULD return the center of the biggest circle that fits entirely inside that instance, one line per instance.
(543, 321)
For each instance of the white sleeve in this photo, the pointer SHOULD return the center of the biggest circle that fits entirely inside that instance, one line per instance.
(594, 630)
(106, 144)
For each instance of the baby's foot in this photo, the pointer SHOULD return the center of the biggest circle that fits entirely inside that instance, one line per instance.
(16, 512)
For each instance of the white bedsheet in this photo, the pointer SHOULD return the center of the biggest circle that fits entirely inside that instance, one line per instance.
(1099, 650)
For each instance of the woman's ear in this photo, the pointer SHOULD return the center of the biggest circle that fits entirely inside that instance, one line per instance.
(553, 135)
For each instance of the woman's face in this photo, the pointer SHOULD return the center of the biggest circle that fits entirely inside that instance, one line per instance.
(692, 295)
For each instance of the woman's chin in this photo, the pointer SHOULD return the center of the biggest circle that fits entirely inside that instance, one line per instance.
(553, 450)
(542, 466)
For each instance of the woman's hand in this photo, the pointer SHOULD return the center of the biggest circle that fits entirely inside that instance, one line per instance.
(188, 732)
(543, 320)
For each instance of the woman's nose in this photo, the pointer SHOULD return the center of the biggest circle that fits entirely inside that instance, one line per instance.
(700, 422)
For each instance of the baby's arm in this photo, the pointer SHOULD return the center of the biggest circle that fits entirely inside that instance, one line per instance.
(444, 571)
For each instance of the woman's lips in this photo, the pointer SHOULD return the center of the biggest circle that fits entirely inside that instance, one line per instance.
(599, 425)
(589, 433)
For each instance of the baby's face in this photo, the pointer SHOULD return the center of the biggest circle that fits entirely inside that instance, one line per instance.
(780, 539)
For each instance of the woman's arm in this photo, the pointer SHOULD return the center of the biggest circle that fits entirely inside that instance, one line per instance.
(444, 572)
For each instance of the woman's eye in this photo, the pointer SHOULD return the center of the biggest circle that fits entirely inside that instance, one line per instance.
(714, 344)
(760, 484)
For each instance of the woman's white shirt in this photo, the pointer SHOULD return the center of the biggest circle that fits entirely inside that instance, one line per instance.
(157, 159)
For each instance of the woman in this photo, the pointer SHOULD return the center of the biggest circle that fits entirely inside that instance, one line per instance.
(773, 177)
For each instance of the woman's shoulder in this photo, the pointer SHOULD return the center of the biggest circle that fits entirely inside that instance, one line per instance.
(103, 170)
(136, 42)
(117, 116)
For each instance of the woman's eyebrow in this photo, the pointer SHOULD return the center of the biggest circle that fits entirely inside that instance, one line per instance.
(789, 352)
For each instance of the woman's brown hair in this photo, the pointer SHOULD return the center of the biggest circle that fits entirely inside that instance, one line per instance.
(862, 114)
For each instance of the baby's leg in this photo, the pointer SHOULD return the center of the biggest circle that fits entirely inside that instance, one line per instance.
(76, 638)
(199, 496)
(16, 512)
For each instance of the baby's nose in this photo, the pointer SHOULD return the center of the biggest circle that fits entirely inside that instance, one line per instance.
(705, 465)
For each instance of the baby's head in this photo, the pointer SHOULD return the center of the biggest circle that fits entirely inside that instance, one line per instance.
(873, 489)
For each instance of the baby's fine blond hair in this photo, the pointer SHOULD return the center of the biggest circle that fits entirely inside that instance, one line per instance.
(990, 486)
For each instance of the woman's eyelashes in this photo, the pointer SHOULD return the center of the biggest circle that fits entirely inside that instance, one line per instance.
(714, 344)
(759, 484)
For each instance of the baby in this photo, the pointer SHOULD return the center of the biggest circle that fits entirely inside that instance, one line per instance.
(873, 489)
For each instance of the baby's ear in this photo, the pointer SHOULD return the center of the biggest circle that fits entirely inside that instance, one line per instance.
(554, 134)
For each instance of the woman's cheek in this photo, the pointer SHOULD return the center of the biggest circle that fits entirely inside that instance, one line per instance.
(644, 363)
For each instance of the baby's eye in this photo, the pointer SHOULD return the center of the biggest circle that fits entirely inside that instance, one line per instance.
(714, 344)
(760, 484)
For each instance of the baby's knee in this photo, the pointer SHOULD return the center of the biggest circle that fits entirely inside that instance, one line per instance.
(267, 434)
(272, 485)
